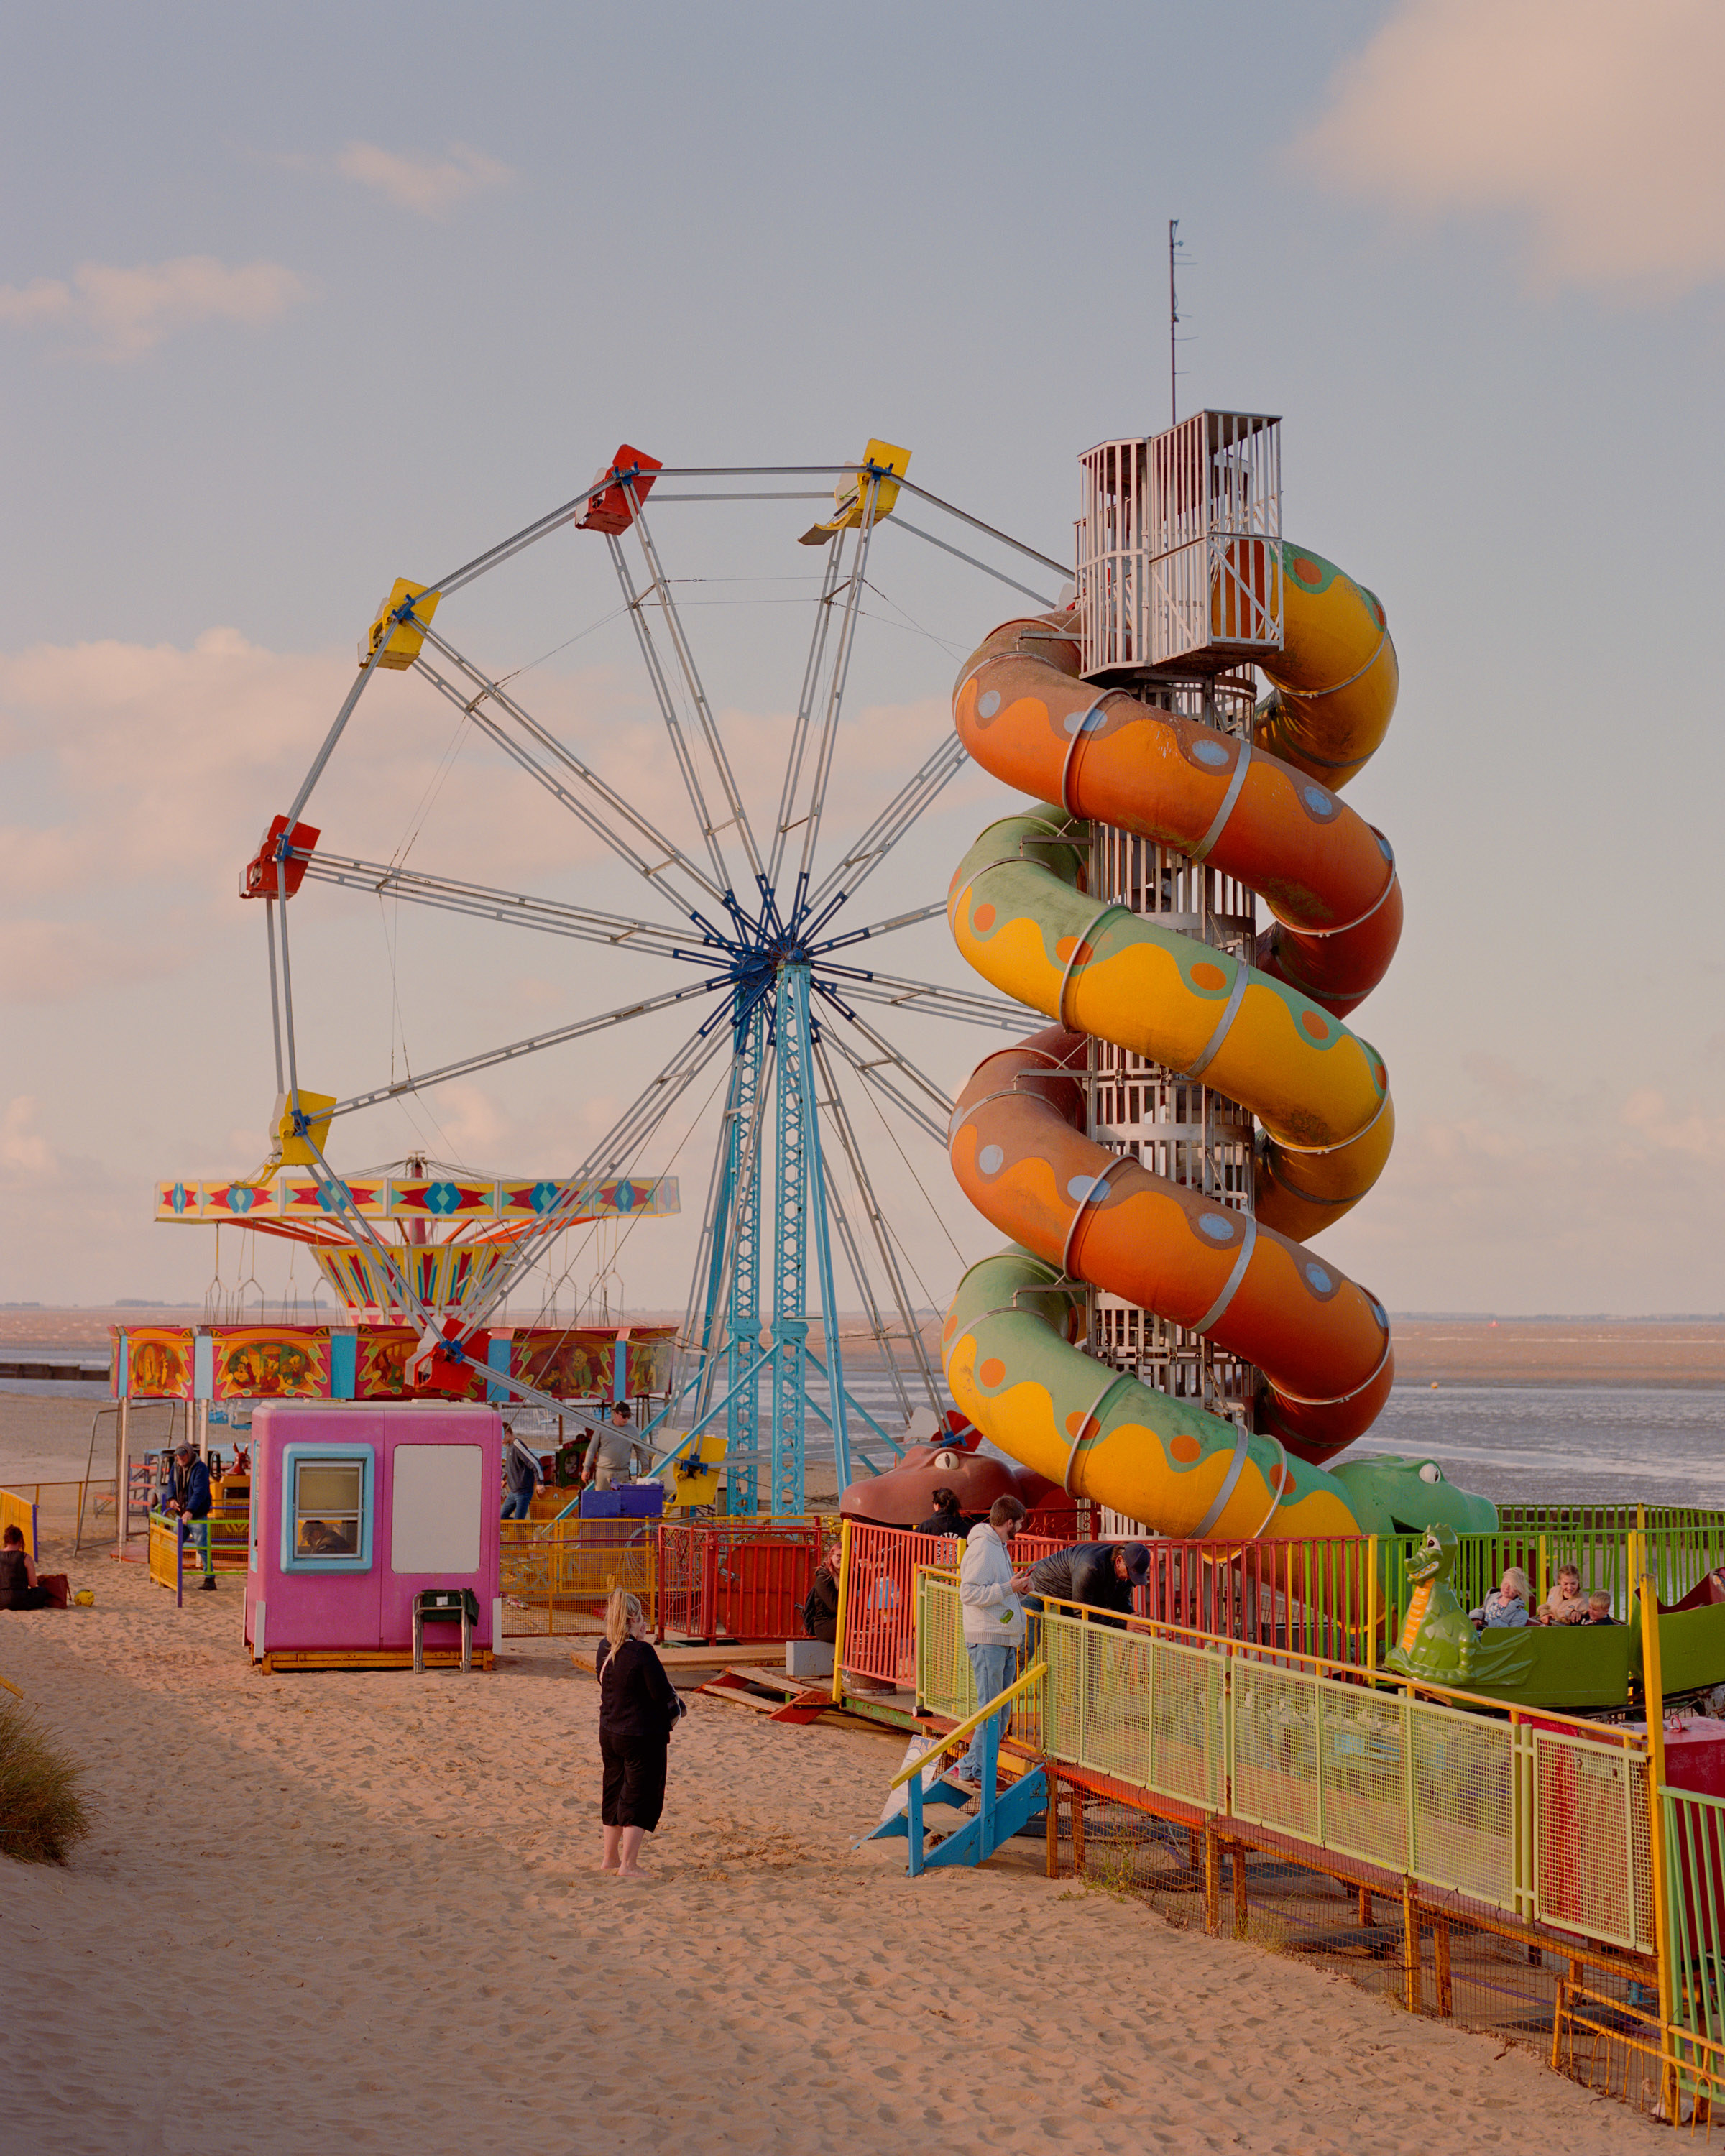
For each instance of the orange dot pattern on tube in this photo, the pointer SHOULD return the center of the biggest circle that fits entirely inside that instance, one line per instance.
(1185, 1448)
(1208, 977)
(1069, 947)
(984, 918)
(991, 1372)
(1317, 1027)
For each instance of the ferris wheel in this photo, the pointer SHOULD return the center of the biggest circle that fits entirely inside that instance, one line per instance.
(751, 927)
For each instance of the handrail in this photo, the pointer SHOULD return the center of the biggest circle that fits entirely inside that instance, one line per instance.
(1320, 1666)
(920, 1764)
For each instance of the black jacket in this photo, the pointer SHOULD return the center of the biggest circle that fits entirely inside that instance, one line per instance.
(1083, 1574)
(637, 1702)
(820, 1611)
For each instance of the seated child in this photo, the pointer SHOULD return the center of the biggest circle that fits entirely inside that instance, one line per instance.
(1598, 1607)
(1506, 1605)
(1566, 1604)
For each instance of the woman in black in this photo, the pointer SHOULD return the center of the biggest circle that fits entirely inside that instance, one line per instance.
(638, 1708)
(20, 1587)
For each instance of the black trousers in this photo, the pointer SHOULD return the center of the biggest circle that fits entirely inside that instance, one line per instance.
(634, 1780)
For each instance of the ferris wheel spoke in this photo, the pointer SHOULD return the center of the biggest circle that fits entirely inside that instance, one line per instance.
(490, 1058)
(930, 998)
(479, 901)
(918, 794)
(811, 819)
(587, 805)
(634, 602)
(615, 1155)
(933, 1111)
(935, 908)
(660, 588)
(1000, 575)
(786, 820)
(839, 1116)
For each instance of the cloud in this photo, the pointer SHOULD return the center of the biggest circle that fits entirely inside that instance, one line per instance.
(56, 962)
(429, 185)
(23, 1151)
(1592, 123)
(125, 313)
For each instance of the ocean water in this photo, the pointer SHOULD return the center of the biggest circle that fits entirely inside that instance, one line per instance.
(1591, 1444)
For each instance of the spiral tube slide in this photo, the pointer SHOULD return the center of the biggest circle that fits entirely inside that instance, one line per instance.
(1267, 1034)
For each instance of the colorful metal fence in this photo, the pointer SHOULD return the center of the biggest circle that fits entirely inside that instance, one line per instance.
(1695, 1930)
(878, 1624)
(1547, 1822)
(556, 1576)
(742, 1581)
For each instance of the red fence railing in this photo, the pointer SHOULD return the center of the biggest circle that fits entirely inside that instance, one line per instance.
(742, 1583)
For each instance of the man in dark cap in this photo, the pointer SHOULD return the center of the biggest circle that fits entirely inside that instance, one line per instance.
(1101, 1575)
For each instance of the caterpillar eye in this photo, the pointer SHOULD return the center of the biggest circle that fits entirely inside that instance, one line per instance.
(946, 1459)
(1432, 1472)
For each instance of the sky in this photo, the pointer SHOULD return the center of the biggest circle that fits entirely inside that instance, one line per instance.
(294, 301)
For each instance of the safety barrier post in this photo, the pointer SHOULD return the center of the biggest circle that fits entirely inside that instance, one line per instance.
(843, 1593)
(1410, 1945)
(1653, 1699)
(1372, 1602)
(1212, 1879)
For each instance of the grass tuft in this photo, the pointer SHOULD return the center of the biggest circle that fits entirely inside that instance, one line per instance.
(42, 1809)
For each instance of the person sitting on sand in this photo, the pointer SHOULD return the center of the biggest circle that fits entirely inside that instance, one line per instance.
(946, 1518)
(1598, 1607)
(1101, 1575)
(20, 1587)
(820, 1611)
(638, 1708)
(1566, 1604)
(1506, 1605)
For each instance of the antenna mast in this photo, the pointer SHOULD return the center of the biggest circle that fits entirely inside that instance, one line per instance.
(1173, 323)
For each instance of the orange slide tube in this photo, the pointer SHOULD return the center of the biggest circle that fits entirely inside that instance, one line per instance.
(1265, 1034)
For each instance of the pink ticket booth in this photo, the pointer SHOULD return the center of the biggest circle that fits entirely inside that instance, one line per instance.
(354, 1509)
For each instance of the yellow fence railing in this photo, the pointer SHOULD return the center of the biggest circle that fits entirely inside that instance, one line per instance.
(20, 1512)
(1546, 1822)
(555, 1575)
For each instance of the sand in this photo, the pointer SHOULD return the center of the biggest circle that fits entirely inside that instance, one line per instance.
(359, 1911)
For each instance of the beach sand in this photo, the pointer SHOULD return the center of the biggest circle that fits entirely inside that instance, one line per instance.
(359, 1911)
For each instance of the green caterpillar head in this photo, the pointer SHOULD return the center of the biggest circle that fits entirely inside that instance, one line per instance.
(1400, 1493)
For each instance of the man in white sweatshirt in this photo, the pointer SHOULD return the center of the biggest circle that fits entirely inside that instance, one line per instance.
(994, 1618)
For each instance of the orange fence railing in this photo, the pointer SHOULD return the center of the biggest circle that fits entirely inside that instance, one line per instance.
(879, 1626)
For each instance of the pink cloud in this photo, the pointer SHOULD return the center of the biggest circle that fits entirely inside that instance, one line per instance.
(1593, 123)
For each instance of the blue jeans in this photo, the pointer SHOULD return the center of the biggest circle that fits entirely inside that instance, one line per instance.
(196, 1531)
(517, 1505)
(994, 1669)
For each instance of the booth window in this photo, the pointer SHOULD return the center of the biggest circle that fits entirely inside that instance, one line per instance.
(327, 1508)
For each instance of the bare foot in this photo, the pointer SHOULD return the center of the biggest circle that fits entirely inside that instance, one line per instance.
(633, 1873)
(605, 1868)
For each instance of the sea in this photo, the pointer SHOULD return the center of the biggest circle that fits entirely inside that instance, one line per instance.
(1570, 1443)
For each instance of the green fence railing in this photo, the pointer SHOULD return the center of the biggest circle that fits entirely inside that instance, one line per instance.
(1547, 1821)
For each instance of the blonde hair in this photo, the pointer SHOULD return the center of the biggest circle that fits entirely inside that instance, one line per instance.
(622, 1609)
(1518, 1579)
